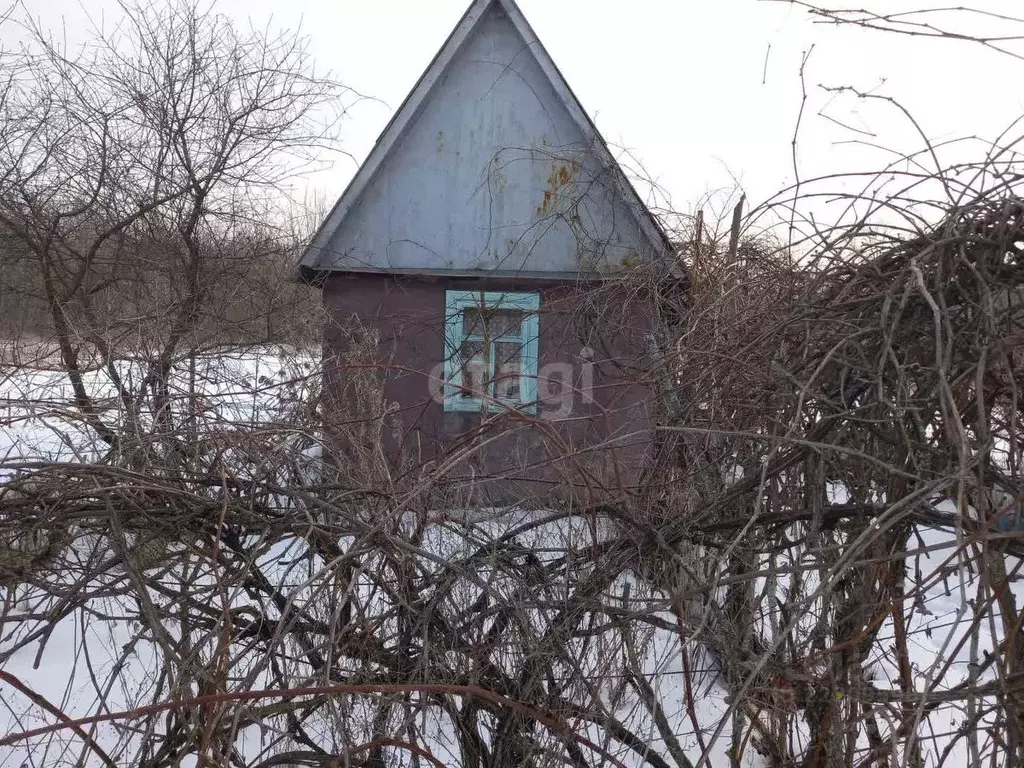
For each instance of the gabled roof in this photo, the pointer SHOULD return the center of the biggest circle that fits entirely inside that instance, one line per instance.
(318, 257)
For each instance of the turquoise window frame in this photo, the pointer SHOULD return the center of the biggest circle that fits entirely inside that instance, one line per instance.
(456, 304)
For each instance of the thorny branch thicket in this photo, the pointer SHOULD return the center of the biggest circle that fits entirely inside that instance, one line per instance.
(822, 536)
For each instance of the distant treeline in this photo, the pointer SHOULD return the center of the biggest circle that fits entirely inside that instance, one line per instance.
(140, 287)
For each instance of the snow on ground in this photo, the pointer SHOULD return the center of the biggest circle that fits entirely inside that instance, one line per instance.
(550, 537)
(36, 424)
(238, 389)
(939, 637)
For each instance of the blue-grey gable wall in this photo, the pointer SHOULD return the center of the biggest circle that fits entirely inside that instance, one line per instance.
(492, 175)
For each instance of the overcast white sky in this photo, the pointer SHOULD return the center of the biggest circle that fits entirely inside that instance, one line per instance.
(700, 93)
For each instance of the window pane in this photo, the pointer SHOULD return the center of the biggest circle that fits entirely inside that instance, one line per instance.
(493, 323)
(505, 322)
(474, 369)
(507, 368)
(473, 322)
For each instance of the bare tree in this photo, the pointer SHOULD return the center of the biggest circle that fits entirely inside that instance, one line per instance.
(153, 153)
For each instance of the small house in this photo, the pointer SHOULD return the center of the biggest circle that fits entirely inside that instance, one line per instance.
(479, 265)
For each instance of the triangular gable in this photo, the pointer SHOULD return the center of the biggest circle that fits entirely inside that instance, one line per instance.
(413, 191)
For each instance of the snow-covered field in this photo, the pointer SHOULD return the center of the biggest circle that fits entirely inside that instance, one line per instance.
(37, 421)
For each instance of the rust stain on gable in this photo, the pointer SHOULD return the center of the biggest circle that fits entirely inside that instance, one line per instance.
(498, 174)
(562, 175)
